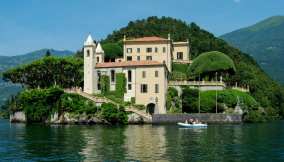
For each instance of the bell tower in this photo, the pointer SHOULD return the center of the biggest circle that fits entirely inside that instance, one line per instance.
(89, 65)
(100, 54)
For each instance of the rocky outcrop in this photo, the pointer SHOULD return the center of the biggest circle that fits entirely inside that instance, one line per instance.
(18, 116)
(135, 119)
(69, 118)
(64, 118)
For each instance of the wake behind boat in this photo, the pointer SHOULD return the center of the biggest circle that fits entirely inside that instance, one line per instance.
(192, 125)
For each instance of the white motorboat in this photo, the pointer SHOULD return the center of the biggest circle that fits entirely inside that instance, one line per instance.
(198, 125)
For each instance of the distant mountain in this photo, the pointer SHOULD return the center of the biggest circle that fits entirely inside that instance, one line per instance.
(6, 62)
(265, 42)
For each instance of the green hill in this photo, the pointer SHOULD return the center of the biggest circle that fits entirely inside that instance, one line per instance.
(265, 42)
(267, 92)
(7, 62)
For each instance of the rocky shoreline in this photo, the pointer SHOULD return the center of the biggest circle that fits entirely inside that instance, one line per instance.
(69, 118)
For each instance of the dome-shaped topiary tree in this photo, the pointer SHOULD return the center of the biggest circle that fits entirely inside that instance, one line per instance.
(208, 63)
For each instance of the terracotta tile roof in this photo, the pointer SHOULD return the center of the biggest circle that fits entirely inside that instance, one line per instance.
(146, 39)
(127, 64)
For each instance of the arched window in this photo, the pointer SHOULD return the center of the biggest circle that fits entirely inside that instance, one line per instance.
(112, 77)
(88, 53)
(129, 76)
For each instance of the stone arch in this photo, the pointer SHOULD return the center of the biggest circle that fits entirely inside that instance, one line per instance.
(150, 108)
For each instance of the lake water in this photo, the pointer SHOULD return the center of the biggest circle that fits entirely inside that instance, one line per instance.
(246, 142)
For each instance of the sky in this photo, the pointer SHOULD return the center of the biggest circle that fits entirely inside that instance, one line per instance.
(28, 25)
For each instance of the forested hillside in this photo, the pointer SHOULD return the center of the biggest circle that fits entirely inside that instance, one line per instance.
(265, 42)
(267, 92)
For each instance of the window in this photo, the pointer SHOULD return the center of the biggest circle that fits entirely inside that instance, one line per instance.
(129, 76)
(164, 49)
(99, 76)
(144, 88)
(129, 58)
(112, 75)
(156, 88)
(143, 74)
(179, 55)
(156, 74)
(156, 49)
(129, 50)
(98, 59)
(138, 50)
(129, 87)
(88, 53)
(149, 50)
(148, 57)
(138, 58)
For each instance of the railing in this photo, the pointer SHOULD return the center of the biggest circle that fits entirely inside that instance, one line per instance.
(197, 83)
(207, 83)
(242, 89)
(183, 61)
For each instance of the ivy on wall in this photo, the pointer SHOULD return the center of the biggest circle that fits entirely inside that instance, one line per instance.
(104, 82)
(120, 87)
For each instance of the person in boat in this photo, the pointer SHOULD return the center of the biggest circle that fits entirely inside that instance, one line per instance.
(197, 121)
(189, 121)
(186, 122)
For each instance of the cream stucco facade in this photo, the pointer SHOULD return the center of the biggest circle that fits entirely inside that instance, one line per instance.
(181, 52)
(146, 64)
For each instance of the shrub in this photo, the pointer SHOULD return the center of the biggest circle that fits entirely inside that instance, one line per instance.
(211, 62)
(226, 98)
(173, 101)
(189, 100)
(176, 75)
(177, 67)
(133, 100)
(76, 104)
(254, 116)
(113, 114)
(38, 104)
(140, 107)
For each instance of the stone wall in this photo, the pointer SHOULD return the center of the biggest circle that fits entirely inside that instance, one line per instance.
(204, 117)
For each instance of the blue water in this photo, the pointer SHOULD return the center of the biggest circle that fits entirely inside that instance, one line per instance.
(246, 142)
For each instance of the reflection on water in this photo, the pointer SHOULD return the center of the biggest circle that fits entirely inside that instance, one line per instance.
(249, 142)
(145, 142)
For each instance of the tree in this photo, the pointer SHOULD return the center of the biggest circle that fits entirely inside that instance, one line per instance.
(47, 53)
(49, 71)
(112, 50)
(190, 100)
(173, 102)
(209, 63)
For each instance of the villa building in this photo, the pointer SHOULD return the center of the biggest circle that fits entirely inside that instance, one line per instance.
(146, 63)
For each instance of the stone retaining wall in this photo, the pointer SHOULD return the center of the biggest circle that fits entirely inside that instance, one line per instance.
(204, 117)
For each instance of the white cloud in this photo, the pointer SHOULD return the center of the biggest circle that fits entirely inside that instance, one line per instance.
(237, 1)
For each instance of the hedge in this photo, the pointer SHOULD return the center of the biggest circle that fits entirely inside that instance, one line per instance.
(210, 62)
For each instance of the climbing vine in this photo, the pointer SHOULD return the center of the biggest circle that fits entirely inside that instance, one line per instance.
(104, 83)
(120, 87)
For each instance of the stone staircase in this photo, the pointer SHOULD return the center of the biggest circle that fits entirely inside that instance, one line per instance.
(146, 117)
